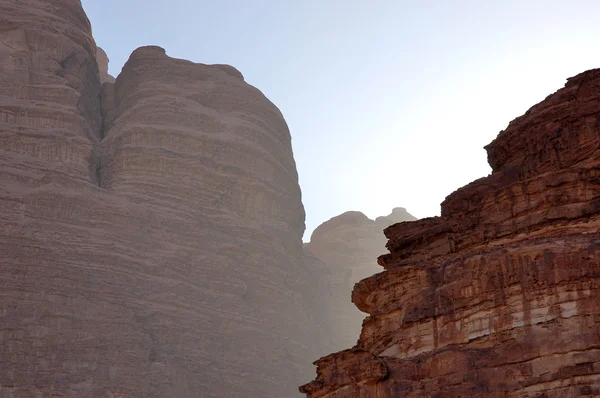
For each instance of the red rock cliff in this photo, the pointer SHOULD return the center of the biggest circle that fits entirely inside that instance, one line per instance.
(498, 297)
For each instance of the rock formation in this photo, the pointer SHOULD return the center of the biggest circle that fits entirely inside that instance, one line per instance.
(150, 229)
(347, 245)
(102, 59)
(498, 297)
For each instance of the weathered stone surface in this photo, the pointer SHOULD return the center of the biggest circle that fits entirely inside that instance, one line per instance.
(103, 60)
(347, 245)
(498, 297)
(150, 230)
(49, 104)
(360, 367)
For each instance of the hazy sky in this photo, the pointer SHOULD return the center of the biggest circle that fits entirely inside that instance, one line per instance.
(389, 102)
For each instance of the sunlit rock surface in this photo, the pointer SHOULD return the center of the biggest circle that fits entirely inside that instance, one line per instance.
(347, 245)
(150, 239)
(499, 296)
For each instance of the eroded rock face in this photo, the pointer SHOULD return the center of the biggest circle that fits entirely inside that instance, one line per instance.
(499, 296)
(103, 60)
(150, 229)
(347, 245)
(49, 84)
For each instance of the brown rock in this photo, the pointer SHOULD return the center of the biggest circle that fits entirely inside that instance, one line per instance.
(150, 245)
(49, 104)
(103, 60)
(359, 367)
(346, 245)
(498, 297)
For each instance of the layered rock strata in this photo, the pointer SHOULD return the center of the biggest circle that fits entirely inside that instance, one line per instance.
(498, 297)
(150, 229)
(347, 245)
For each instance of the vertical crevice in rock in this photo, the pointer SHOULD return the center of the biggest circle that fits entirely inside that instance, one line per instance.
(108, 106)
(108, 114)
(99, 172)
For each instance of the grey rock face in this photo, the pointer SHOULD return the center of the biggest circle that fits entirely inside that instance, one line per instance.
(151, 228)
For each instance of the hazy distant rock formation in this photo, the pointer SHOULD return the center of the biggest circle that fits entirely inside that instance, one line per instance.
(500, 295)
(398, 214)
(102, 59)
(150, 240)
(346, 245)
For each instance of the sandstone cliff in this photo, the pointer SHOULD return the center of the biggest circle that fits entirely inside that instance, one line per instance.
(347, 245)
(499, 296)
(103, 60)
(150, 239)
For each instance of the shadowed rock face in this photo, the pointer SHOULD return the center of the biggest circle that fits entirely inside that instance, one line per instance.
(151, 228)
(347, 245)
(499, 296)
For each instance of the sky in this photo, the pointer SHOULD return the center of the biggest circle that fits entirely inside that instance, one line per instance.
(389, 102)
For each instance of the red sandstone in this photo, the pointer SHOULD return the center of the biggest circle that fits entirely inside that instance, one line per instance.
(498, 297)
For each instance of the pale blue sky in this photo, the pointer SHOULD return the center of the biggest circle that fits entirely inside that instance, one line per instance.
(389, 102)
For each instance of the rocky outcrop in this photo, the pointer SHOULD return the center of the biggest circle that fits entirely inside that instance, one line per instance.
(150, 239)
(347, 245)
(398, 215)
(103, 60)
(499, 296)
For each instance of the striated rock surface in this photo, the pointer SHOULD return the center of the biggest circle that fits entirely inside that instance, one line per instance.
(150, 239)
(498, 297)
(347, 245)
(49, 103)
